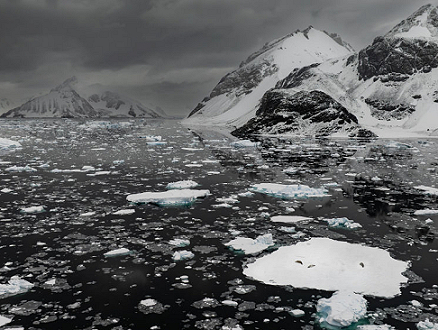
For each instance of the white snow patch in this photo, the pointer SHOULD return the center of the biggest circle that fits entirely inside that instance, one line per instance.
(289, 218)
(185, 184)
(415, 32)
(342, 309)
(326, 264)
(169, 198)
(117, 252)
(15, 285)
(289, 191)
(251, 246)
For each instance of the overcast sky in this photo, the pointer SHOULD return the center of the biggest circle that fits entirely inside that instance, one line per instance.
(169, 53)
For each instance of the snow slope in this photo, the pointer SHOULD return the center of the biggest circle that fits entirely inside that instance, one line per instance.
(234, 100)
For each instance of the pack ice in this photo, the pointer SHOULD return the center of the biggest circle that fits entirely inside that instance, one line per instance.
(326, 264)
(289, 191)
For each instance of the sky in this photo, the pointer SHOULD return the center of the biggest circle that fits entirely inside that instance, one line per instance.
(166, 53)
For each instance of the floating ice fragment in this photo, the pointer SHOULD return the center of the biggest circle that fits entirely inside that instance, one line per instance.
(251, 246)
(51, 282)
(342, 223)
(5, 320)
(8, 144)
(342, 309)
(33, 209)
(230, 303)
(150, 305)
(16, 286)
(427, 325)
(428, 190)
(124, 212)
(174, 197)
(289, 218)
(297, 313)
(425, 212)
(15, 168)
(185, 184)
(244, 144)
(326, 264)
(179, 242)
(117, 252)
(87, 214)
(6, 190)
(374, 327)
(289, 191)
(152, 138)
(182, 255)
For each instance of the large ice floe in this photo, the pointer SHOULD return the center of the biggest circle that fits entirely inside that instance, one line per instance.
(251, 246)
(6, 144)
(326, 264)
(175, 197)
(289, 191)
(341, 310)
(16, 285)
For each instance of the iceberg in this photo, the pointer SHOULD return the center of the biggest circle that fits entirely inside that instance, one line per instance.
(117, 252)
(326, 264)
(289, 218)
(251, 246)
(289, 191)
(185, 184)
(341, 310)
(16, 285)
(342, 223)
(176, 197)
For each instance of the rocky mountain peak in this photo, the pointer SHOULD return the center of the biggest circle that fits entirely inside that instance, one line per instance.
(67, 85)
(423, 24)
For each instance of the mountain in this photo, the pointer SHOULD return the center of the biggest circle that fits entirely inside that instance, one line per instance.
(234, 99)
(5, 105)
(391, 86)
(65, 101)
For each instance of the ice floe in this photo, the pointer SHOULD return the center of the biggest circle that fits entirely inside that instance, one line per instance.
(244, 144)
(33, 209)
(342, 223)
(342, 309)
(124, 212)
(179, 242)
(117, 252)
(16, 285)
(290, 218)
(182, 255)
(428, 190)
(251, 246)
(326, 264)
(425, 212)
(15, 168)
(173, 197)
(427, 325)
(185, 184)
(8, 144)
(289, 191)
(5, 320)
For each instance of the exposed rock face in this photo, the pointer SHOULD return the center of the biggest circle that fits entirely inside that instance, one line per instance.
(312, 113)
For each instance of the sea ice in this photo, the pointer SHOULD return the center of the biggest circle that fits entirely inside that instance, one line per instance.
(342, 309)
(185, 184)
(8, 144)
(428, 190)
(289, 218)
(4, 320)
(174, 197)
(427, 325)
(117, 252)
(15, 285)
(33, 209)
(342, 223)
(124, 212)
(425, 212)
(182, 255)
(374, 327)
(244, 144)
(326, 264)
(251, 246)
(288, 191)
(15, 168)
(179, 242)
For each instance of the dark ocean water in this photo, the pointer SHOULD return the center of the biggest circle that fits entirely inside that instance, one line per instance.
(61, 250)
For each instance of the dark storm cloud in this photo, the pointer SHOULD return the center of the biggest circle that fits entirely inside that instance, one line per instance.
(55, 38)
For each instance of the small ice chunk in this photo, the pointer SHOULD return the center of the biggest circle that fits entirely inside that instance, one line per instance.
(425, 212)
(289, 191)
(33, 209)
(124, 212)
(251, 246)
(342, 223)
(51, 282)
(88, 168)
(289, 218)
(148, 302)
(427, 325)
(87, 214)
(169, 198)
(117, 252)
(15, 285)
(342, 309)
(185, 184)
(231, 303)
(244, 144)
(153, 138)
(297, 313)
(5, 320)
(428, 190)
(182, 255)
(6, 190)
(179, 242)
(374, 327)
(15, 168)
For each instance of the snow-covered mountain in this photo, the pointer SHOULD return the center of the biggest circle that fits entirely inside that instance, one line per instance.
(65, 101)
(235, 98)
(5, 105)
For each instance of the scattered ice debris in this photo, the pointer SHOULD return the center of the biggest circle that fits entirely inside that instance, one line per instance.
(8, 144)
(425, 212)
(148, 306)
(178, 242)
(289, 191)
(326, 264)
(251, 246)
(206, 303)
(15, 285)
(15, 168)
(117, 252)
(342, 223)
(342, 309)
(124, 212)
(5, 320)
(427, 325)
(297, 313)
(185, 184)
(244, 144)
(182, 255)
(428, 190)
(290, 218)
(174, 197)
(33, 209)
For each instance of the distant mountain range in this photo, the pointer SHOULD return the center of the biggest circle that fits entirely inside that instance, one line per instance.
(313, 83)
(64, 101)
